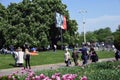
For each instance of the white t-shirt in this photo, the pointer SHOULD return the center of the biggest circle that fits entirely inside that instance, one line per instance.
(67, 56)
(20, 57)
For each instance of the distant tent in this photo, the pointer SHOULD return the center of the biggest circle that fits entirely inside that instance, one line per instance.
(34, 52)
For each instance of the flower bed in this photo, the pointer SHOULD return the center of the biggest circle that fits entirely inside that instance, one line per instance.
(95, 71)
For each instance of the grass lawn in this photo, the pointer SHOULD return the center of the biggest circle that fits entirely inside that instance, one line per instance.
(46, 57)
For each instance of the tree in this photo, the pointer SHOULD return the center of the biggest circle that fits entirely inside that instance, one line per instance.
(101, 34)
(3, 23)
(118, 28)
(33, 21)
(117, 40)
(91, 37)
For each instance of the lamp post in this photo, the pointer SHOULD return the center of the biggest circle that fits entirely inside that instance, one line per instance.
(82, 12)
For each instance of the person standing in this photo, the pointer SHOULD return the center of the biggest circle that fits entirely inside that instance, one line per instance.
(67, 57)
(11, 49)
(54, 48)
(93, 55)
(20, 57)
(117, 55)
(75, 57)
(27, 58)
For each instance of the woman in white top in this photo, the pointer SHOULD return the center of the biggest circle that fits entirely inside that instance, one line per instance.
(67, 57)
(20, 60)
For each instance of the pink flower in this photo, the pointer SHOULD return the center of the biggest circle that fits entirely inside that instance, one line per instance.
(37, 77)
(53, 77)
(84, 78)
(42, 76)
(46, 78)
(57, 74)
(9, 76)
(69, 77)
(27, 78)
(22, 72)
(57, 77)
(22, 68)
(17, 72)
(31, 73)
(33, 78)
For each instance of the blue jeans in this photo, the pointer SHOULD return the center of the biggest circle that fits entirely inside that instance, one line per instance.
(85, 58)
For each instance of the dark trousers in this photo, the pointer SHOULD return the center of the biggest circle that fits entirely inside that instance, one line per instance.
(85, 60)
(75, 61)
(27, 61)
(68, 62)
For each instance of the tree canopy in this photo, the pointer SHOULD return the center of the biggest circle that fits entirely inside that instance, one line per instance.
(34, 22)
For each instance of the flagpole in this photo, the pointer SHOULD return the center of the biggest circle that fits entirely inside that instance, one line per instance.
(60, 23)
(61, 39)
(83, 22)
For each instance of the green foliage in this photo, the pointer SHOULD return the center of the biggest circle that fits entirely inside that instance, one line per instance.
(10, 77)
(95, 71)
(35, 19)
(117, 40)
(104, 71)
(91, 37)
(101, 34)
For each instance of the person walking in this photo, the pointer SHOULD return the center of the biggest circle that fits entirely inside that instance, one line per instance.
(75, 57)
(117, 55)
(15, 56)
(67, 57)
(84, 55)
(27, 58)
(54, 48)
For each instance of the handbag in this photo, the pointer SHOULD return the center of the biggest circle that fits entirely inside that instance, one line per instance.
(69, 61)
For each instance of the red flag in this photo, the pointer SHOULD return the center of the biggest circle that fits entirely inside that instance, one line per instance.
(64, 23)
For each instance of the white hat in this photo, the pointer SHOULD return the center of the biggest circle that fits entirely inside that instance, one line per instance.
(66, 49)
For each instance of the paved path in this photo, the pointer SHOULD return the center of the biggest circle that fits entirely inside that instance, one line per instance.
(44, 67)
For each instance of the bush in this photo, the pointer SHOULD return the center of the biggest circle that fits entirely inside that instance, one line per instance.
(117, 41)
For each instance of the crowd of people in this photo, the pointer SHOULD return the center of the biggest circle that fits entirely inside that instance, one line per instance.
(22, 55)
(87, 53)
(85, 56)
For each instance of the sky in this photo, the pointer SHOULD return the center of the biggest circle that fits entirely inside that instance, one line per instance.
(96, 14)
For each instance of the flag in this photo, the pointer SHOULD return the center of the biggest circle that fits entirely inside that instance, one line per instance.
(60, 21)
(64, 23)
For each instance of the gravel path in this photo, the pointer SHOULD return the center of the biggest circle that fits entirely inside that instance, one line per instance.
(44, 67)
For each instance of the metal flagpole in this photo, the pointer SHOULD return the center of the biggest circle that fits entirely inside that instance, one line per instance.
(83, 22)
(84, 31)
(61, 38)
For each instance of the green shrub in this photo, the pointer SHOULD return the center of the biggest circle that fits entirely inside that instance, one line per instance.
(117, 40)
(96, 71)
